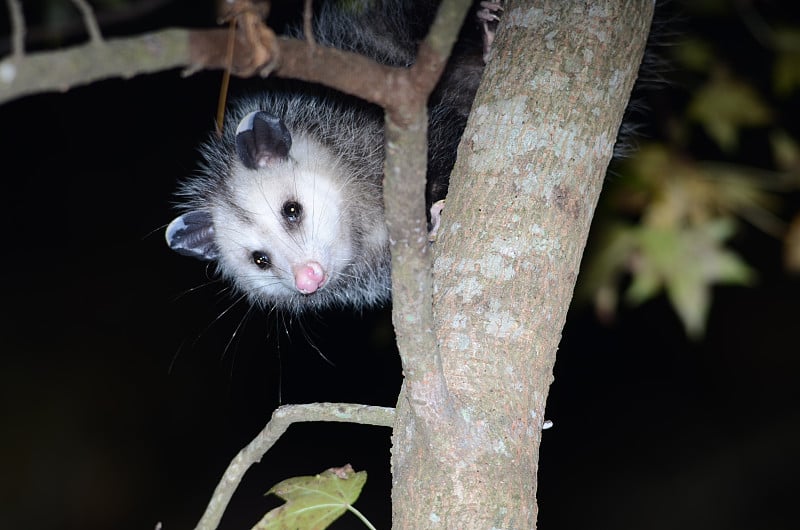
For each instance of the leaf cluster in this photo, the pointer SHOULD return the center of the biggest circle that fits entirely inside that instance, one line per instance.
(727, 157)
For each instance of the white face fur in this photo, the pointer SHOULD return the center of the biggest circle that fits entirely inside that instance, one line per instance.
(295, 225)
(287, 235)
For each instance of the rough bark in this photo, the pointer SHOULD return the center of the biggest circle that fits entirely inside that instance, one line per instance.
(530, 170)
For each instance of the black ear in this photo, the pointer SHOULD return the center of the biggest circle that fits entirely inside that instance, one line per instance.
(262, 138)
(192, 234)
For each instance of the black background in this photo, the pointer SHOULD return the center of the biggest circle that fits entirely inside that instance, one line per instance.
(127, 382)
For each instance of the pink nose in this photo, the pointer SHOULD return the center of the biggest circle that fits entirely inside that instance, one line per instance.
(308, 277)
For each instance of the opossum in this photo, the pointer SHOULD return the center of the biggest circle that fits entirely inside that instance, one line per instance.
(288, 202)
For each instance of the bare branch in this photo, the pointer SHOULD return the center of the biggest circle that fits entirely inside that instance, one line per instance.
(61, 70)
(308, 14)
(282, 418)
(425, 386)
(95, 37)
(17, 29)
(345, 71)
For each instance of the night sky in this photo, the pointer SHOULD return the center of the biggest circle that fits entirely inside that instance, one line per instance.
(129, 377)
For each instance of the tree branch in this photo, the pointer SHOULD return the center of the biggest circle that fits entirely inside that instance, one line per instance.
(424, 388)
(195, 50)
(64, 69)
(282, 418)
(522, 194)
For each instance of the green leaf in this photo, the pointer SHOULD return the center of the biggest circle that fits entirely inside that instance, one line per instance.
(686, 262)
(606, 262)
(725, 105)
(655, 246)
(313, 503)
(651, 164)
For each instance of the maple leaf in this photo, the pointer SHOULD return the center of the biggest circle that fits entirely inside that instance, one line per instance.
(686, 262)
(723, 106)
(314, 502)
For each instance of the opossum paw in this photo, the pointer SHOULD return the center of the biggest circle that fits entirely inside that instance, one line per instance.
(488, 17)
(436, 219)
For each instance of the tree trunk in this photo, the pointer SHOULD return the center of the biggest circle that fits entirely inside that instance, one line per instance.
(530, 170)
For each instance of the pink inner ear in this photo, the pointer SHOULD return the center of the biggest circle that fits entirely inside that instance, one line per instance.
(309, 277)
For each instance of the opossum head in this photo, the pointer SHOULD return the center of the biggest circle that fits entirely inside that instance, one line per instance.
(278, 229)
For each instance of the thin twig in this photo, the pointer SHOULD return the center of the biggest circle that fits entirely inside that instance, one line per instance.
(68, 30)
(17, 29)
(226, 77)
(282, 418)
(404, 203)
(91, 22)
(308, 28)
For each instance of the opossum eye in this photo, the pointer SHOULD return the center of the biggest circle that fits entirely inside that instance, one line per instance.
(292, 211)
(261, 259)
